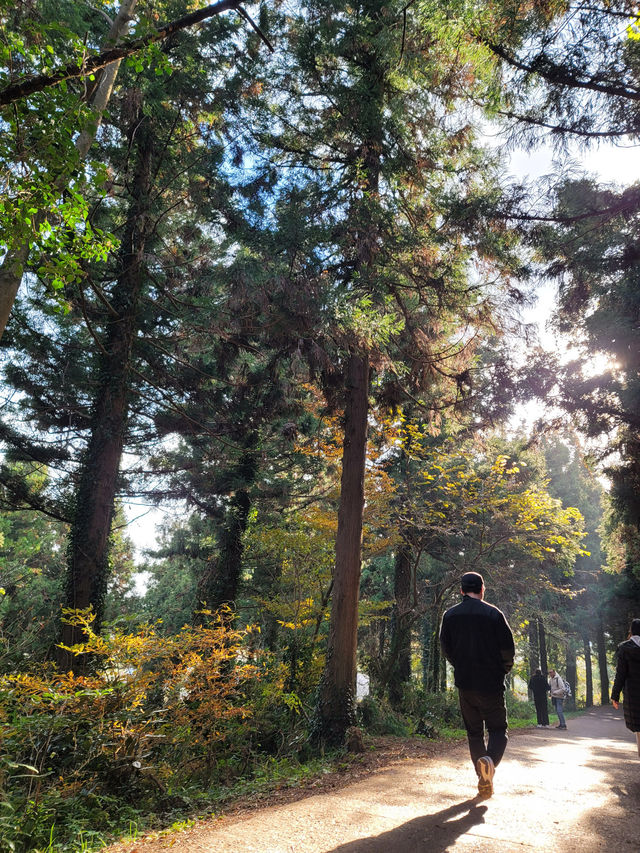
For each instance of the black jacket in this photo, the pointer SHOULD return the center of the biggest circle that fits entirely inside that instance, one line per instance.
(539, 686)
(477, 640)
(627, 680)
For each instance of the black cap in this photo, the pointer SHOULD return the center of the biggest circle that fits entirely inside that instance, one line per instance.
(471, 582)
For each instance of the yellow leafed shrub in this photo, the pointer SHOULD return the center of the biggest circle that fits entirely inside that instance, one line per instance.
(145, 705)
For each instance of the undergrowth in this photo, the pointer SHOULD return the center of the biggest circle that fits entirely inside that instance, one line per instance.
(159, 731)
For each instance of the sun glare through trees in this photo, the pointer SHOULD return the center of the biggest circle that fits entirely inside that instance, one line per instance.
(264, 275)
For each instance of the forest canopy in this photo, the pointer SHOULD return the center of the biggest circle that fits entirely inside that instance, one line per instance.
(263, 270)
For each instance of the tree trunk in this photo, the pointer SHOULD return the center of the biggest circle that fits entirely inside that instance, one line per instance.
(534, 646)
(336, 698)
(542, 645)
(13, 264)
(602, 664)
(425, 646)
(437, 660)
(382, 638)
(106, 77)
(87, 565)
(400, 653)
(588, 671)
(220, 586)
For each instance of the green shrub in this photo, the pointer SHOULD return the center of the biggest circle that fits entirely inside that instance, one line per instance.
(378, 718)
(517, 709)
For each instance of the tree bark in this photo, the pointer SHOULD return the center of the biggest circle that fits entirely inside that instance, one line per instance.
(400, 653)
(542, 645)
(534, 646)
(336, 699)
(588, 671)
(87, 567)
(103, 87)
(437, 661)
(425, 651)
(602, 664)
(443, 675)
(220, 587)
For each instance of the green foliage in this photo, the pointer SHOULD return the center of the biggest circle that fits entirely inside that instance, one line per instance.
(485, 506)
(31, 566)
(519, 710)
(152, 704)
(378, 718)
(45, 199)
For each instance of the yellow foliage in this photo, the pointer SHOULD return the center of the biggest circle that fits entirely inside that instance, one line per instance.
(149, 699)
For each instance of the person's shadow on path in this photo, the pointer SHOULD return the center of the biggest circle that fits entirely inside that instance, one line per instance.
(433, 833)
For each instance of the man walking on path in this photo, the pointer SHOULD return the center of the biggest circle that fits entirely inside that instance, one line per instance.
(627, 680)
(478, 642)
(556, 685)
(539, 687)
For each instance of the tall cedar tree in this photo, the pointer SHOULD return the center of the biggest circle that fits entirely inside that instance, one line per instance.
(246, 457)
(386, 249)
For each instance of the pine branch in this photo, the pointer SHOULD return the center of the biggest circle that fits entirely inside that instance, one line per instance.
(557, 74)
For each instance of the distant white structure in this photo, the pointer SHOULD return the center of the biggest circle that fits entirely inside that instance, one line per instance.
(362, 686)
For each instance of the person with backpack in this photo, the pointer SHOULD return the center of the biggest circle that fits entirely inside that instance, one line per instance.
(558, 693)
(539, 686)
(627, 680)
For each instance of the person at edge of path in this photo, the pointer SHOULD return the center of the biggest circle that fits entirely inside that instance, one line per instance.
(476, 639)
(627, 680)
(539, 686)
(556, 686)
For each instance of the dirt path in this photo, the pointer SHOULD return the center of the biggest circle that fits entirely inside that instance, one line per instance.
(575, 791)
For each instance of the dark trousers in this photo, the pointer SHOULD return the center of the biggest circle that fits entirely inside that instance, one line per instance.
(480, 710)
(542, 710)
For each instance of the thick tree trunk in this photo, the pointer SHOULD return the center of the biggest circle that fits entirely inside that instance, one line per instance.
(336, 699)
(94, 502)
(588, 671)
(602, 664)
(382, 638)
(13, 264)
(400, 653)
(542, 645)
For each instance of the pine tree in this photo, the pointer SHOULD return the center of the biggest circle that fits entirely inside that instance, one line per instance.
(396, 200)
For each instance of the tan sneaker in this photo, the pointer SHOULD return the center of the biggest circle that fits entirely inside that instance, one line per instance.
(486, 770)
